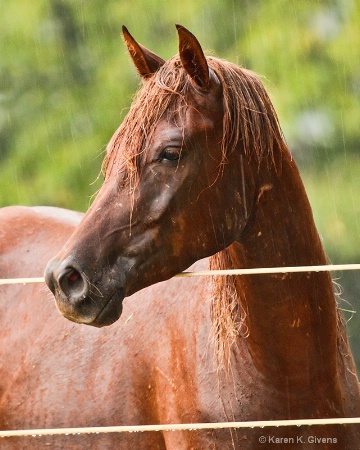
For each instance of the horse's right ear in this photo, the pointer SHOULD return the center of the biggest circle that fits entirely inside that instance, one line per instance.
(146, 62)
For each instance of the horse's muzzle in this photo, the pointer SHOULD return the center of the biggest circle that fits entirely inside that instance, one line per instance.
(78, 299)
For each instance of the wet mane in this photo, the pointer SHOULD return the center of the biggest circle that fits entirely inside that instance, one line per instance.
(249, 116)
(250, 125)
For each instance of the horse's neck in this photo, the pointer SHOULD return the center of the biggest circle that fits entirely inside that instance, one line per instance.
(291, 318)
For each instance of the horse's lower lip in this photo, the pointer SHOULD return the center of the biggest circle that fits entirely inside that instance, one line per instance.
(110, 312)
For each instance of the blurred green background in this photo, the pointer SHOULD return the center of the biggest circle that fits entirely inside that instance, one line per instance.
(66, 82)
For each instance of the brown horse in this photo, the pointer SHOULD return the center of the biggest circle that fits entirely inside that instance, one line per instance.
(198, 169)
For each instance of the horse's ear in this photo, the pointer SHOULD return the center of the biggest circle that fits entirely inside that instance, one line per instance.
(146, 62)
(192, 57)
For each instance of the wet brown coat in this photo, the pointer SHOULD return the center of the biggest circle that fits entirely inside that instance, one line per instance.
(157, 364)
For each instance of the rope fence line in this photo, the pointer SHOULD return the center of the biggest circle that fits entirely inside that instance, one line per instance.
(271, 270)
(179, 427)
(263, 270)
(21, 280)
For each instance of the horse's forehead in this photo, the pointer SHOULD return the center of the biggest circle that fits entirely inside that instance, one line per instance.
(202, 119)
(192, 119)
(199, 111)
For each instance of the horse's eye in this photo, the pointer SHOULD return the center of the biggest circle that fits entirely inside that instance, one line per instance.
(170, 154)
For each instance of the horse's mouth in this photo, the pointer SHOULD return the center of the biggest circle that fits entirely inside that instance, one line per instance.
(111, 312)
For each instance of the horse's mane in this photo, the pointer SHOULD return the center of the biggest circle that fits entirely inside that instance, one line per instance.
(249, 116)
(250, 124)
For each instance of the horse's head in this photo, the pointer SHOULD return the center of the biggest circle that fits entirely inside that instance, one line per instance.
(177, 185)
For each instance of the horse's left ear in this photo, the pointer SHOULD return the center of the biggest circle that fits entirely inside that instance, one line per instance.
(192, 57)
(145, 61)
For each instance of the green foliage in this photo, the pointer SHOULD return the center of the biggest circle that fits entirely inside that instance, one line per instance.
(335, 196)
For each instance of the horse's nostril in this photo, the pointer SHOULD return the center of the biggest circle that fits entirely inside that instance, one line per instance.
(72, 283)
(73, 276)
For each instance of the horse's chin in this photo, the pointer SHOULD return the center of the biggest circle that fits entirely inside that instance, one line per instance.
(110, 313)
(86, 311)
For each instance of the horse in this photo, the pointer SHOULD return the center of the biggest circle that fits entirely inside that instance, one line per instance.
(197, 176)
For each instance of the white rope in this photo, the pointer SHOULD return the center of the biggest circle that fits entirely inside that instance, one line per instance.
(177, 427)
(21, 280)
(265, 270)
(262, 270)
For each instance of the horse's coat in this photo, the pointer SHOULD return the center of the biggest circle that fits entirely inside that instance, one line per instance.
(198, 167)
